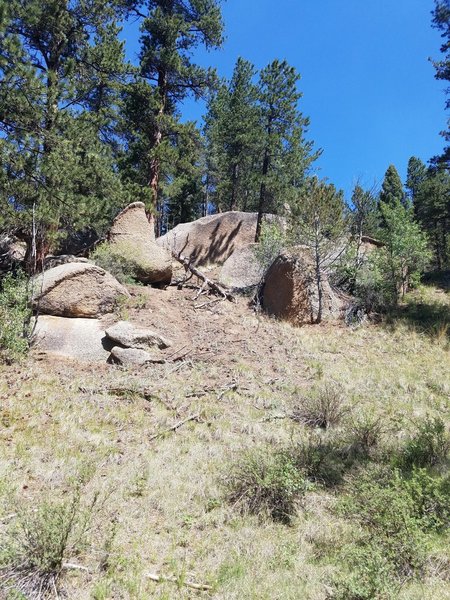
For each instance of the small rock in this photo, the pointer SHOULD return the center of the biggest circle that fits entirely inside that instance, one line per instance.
(133, 357)
(132, 336)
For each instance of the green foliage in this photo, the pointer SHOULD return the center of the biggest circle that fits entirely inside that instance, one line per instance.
(441, 21)
(391, 270)
(233, 132)
(170, 32)
(392, 188)
(285, 154)
(15, 315)
(271, 243)
(37, 543)
(267, 484)
(57, 167)
(428, 447)
(432, 209)
(117, 263)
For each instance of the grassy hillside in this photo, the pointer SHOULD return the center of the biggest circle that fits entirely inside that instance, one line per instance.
(147, 471)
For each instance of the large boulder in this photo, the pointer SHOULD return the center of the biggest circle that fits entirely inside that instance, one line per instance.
(242, 270)
(290, 290)
(76, 290)
(132, 238)
(79, 339)
(212, 239)
(132, 336)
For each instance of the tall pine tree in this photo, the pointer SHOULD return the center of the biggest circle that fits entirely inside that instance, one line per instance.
(171, 30)
(60, 63)
(232, 129)
(285, 155)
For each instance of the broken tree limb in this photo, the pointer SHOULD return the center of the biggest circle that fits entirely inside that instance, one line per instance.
(190, 584)
(195, 417)
(186, 262)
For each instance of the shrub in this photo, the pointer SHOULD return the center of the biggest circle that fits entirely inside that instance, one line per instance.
(363, 435)
(116, 263)
(323, 460)
(267, 484)
(428, 447)
(323, 409)
(271, 243)
(33, 551)
(15, 315)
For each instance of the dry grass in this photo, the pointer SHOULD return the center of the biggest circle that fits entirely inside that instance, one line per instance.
(165, 511)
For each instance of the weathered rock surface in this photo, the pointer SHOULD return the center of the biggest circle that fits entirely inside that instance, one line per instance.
(133, 357)
(290, 290)
(242, 270)
(77, 290)
(212, 239)
(132, 237)
(132, 336)
(80, 339)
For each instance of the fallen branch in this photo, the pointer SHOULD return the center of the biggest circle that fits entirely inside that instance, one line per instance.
(186, 262)
(189, 584)
(195, 417)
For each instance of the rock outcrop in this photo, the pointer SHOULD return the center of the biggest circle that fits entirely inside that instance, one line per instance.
(290, 290)
(132, 336)
(242, 270)
(83, 340)
(132, 238)
(212, 239)
(76, 290)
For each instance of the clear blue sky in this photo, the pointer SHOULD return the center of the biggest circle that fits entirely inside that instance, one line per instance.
(367, 84)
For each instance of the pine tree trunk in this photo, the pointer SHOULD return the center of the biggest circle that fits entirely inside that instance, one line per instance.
(155, 163)
(262, 196)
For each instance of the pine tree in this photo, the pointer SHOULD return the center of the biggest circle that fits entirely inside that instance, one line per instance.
(392, 188)
(171, 30)
(318, 221)
(405, 253)
(233, 132)
(60, 63)
(432, 208)
(285, 155)
(441, 21)
(415, 176)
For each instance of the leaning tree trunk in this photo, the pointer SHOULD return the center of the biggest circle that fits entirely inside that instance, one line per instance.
(155, 163)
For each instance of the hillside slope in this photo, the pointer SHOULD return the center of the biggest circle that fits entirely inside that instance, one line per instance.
(150, 451)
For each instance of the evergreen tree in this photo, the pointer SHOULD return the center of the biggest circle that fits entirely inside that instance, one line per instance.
(318, 221)
(392, 188)
(171, 30)
(415, 176)
(441, 21)
(285, 155)
(364, 215)
(233, 133)
(60, 63)
(405, 253)
(432, 208)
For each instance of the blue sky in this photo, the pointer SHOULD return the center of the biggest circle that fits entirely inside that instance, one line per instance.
(368, 86)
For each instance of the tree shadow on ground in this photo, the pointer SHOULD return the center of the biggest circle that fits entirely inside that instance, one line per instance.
(427, 314)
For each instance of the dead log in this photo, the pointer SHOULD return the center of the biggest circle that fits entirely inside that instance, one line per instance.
(186, 262)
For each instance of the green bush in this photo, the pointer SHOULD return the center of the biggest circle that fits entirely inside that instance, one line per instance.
(271, 243)
(323, 460)
(15, 315)
(39, 541)
(428, 447)
(267, 484)
(394, 515)
(116, 263)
